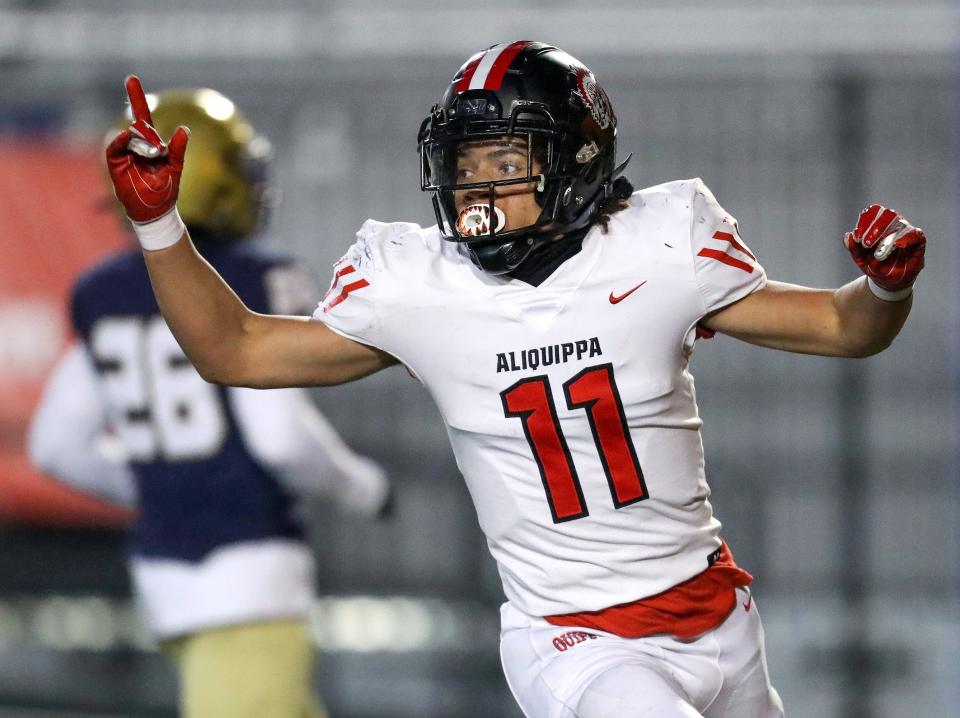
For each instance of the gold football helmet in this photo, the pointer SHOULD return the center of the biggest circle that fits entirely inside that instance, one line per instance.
(224, 194)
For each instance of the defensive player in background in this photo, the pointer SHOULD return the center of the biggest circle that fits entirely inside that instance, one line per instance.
(551, 313)
(218, 555)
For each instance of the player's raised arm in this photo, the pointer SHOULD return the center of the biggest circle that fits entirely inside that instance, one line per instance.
(858, 319)
(228, 343)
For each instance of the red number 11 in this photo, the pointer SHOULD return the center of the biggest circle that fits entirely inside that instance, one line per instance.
(594, 390)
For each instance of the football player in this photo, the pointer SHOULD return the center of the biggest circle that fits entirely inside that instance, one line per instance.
(219, 559)
(551, 312)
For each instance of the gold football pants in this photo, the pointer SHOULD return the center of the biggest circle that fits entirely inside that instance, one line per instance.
(254, 670)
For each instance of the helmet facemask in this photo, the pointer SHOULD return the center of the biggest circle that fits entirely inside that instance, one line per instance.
(474, 209)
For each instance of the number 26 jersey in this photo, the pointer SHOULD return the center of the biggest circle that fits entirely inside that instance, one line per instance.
(569, 406)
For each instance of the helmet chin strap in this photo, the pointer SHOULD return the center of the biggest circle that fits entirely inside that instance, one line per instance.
(499, 259)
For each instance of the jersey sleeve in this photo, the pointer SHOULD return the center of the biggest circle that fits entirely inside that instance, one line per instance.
(286, 432)
(68, 438)
(726, 270)
(350, 306)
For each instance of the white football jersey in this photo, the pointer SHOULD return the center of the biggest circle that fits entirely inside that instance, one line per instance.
(569, 406)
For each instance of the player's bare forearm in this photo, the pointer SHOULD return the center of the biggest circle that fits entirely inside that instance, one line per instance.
(867, 324)
(203, 313)
(845, 322)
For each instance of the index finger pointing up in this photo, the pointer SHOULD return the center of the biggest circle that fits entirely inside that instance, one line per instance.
(138, 101)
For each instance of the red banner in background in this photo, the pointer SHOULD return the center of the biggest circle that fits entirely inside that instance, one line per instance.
(55, 220)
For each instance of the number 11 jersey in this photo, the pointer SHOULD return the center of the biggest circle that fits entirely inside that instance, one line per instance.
(569, 406)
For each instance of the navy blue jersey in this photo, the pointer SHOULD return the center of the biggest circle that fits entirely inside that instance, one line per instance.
(199, 486)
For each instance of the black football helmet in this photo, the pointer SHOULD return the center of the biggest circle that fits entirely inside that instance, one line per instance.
(550, 100)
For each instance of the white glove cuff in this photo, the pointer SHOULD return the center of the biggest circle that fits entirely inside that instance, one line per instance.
(889, 295)
(163, 232)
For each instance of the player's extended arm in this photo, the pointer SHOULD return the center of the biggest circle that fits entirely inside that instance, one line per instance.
(227, 343)
(858, 319)
(67, 439)
(286, 432)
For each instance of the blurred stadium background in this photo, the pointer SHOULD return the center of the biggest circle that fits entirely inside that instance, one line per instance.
(837, 481)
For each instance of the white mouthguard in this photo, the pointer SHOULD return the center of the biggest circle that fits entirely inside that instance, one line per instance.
(475, 220)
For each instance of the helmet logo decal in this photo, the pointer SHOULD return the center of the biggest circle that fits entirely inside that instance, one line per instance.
(487, 70)
(595, 99)
(587, 152)
(475, 220)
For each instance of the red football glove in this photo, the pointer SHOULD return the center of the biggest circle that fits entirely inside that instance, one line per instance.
(145, 171)
(886, 247)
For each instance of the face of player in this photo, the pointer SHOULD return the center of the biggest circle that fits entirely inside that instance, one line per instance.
(500, 158)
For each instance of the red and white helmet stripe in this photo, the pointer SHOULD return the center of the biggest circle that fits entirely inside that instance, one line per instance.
(487, 70)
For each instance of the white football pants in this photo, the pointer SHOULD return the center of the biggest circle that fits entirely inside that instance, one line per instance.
(561, 672)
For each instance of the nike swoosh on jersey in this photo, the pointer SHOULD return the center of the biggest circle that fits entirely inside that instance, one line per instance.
(617, 300)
